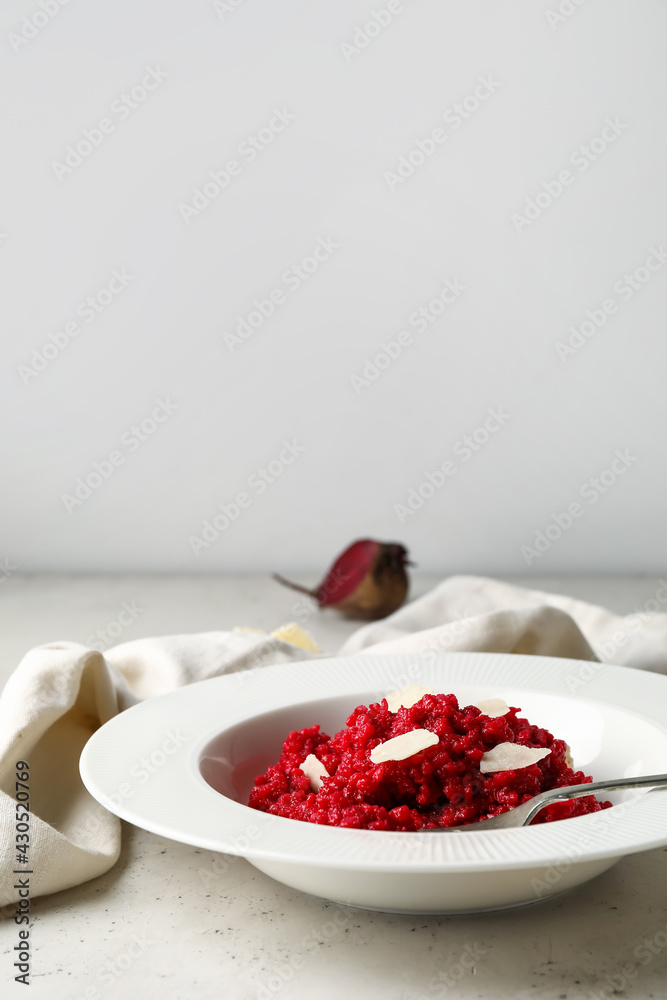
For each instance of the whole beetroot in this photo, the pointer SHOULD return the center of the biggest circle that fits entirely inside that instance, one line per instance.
(368, 580)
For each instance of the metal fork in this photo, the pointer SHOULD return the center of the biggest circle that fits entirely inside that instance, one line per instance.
(523, 814)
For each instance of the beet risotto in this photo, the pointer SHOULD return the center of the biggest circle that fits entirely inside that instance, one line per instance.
(428, 763)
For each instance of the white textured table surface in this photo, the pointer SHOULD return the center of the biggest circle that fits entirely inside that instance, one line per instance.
(176, 922)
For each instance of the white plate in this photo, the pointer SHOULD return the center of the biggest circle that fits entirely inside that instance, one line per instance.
(181, 766)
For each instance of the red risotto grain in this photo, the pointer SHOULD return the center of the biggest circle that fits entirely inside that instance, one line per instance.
(440, 786)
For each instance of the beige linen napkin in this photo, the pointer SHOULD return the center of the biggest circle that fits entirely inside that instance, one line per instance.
(54, 701)
(60, 693)
(478, 613)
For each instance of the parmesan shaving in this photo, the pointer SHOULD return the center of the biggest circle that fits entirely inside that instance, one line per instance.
(404, 746)
(493, 707)
(510, 757)
(406, 697)
(315, 770)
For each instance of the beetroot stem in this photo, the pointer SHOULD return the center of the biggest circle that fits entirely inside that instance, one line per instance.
(295, 586)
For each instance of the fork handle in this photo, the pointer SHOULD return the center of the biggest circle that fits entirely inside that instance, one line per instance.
(577, 791)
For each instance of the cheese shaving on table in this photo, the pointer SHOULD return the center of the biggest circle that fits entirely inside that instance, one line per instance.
(403, 746)
(493, 707)
(510, 756)
(314, 769)
(406, 697)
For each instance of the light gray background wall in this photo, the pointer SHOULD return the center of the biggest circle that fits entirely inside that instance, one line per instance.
(346, 89)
